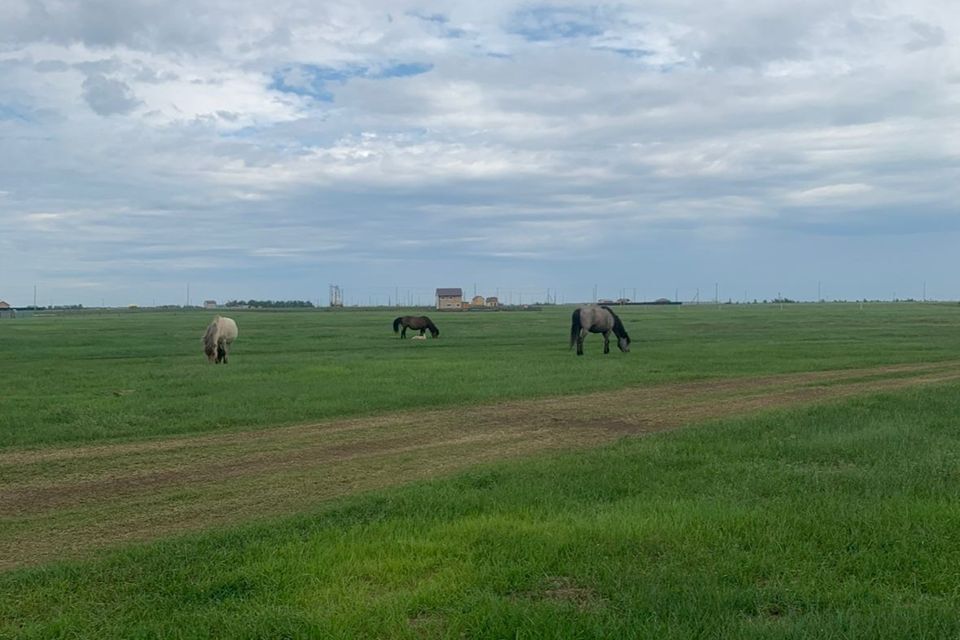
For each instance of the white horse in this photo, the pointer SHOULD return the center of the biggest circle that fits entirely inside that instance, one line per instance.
(216, 341)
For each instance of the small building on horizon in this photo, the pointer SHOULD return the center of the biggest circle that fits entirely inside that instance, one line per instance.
(449, 298)
(492, 301)
(209, 304)
(477, 301)
(6, 311)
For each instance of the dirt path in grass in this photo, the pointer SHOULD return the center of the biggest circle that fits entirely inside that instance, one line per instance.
(66, 502)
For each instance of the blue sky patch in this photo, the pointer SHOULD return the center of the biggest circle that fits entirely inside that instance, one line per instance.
(438, 24)
(543, 24)
(628, 53)
(315, 81)
(13, 112)
(439, 18)
(403, 70)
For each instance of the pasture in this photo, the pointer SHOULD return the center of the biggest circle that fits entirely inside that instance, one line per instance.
(336, 481)
(94, 377)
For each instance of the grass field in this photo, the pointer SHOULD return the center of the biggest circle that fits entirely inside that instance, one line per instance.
(486, 484)
(132, 375)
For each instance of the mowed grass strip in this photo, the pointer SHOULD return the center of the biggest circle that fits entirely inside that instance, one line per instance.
(64, 502)
(99, 377)
(833, 521)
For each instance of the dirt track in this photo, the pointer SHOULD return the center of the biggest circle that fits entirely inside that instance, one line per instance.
(67, 502)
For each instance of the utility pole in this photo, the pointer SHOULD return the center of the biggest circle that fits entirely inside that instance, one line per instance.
(819, 297)
(336, 296)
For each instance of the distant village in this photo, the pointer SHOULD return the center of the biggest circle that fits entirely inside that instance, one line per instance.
(453, 299)
(445, 299)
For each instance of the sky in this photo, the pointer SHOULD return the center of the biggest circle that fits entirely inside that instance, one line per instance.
(231, 150)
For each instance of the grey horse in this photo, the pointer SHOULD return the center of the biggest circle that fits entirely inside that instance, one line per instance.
(597, 319)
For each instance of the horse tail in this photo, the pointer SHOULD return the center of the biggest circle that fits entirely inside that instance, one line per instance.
(396, 325)
(575, 327)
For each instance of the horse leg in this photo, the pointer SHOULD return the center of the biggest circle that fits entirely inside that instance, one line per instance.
(403, 333)
(580, 337)
(606, 342)
(226, 352)
(422, 332)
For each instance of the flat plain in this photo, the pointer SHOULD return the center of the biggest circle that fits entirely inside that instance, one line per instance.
(746, 470)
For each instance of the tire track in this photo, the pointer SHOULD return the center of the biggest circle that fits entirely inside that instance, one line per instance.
(68, 501)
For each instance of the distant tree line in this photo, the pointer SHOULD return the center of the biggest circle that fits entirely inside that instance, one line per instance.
(271, 304)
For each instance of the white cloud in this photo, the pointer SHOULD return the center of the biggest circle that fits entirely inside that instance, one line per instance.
(215, 133)
(830, 192)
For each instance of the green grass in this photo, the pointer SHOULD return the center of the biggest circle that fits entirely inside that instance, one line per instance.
(835, 521)
(92, 377)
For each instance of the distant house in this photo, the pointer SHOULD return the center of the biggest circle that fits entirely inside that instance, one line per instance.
(449, 298)
(492, 301)
(477, 301)
(6, 311)
(209, 304)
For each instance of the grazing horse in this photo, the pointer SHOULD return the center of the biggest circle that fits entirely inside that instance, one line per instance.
(597, 319)
(421, 323)
(217, 339)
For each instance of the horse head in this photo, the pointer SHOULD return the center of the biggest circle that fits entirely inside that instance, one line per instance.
(210, 342)
(623, 338)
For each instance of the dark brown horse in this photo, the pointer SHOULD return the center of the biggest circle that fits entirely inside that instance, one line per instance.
(417, 323)
(594, 319)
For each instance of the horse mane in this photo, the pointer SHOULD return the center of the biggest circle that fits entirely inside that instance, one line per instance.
(618, 327)
(210, 338)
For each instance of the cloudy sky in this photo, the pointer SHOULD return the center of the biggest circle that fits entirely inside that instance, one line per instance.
(269, 148)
